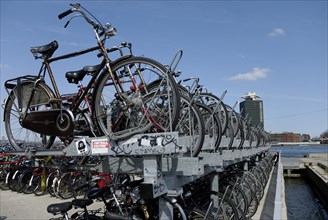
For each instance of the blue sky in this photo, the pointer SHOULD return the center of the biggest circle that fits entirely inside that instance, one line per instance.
(277, 49)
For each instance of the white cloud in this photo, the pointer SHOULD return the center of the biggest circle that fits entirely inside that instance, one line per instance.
(255, 74)
(277, 32)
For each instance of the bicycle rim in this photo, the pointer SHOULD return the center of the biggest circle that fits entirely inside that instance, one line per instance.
(122, 119)
(17, 135)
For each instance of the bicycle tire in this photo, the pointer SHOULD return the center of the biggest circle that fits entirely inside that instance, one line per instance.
(11, 183)
(212, 125)
(191, 125)
(24, 182)
(241, 134)
(237, 195)
(50, 182)
(194, 214)
(227, 208)
(229, 138)
(233, 117)
(217, 105)
(3, 175)
(249, 190)
(133, 119)
(64, 188)
(38, 189)
(254, 201)
(17, 135)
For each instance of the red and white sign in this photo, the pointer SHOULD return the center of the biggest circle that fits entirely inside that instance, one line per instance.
(100, 146)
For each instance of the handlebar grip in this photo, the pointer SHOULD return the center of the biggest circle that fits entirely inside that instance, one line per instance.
(65, 13)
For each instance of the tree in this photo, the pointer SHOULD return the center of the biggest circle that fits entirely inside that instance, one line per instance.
(324, 134)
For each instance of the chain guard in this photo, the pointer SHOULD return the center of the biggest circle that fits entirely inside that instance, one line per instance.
(49, 122)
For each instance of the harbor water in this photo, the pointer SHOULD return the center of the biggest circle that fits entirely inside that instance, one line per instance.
(300, 151)
(301, 199)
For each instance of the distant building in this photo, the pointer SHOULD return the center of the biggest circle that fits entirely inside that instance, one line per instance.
(324, 140)
(252, 109)
(285, 137)
(305, 138)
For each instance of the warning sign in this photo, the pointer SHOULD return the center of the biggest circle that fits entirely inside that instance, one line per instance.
(99, 146)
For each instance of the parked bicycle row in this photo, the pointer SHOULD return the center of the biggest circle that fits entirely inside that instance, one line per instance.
(44, 175)
(119, 98)
(240, 190)
(245, 188)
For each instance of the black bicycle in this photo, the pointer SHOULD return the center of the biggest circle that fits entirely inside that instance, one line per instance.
(115, 102)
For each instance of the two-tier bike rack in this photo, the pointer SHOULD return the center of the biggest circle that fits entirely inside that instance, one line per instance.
(160, 158)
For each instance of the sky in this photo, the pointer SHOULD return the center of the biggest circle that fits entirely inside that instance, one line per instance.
(277, 49)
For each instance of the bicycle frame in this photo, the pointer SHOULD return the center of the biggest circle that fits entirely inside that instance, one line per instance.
(41, 104)
(46, 66)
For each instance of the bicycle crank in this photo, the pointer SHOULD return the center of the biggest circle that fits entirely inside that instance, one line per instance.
(53, 122)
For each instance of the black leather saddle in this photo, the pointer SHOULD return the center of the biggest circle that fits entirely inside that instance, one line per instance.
(46, 51)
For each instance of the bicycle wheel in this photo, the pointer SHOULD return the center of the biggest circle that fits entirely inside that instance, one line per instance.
(228, 138)
(226, 209)
(234, 193)
(25, 182)
(249, 187)
(234, 118)
(212, 125)
(191, 126)
(194, 214)
(3, 174)
(17, 135)
(50, 182)
(135, 109)
(79, 181)
(241, 134)
(64, 188)
(11, 181)
(14, 181)
(218, 107)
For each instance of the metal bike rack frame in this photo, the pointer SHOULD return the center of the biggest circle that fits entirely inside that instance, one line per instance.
(161, 158)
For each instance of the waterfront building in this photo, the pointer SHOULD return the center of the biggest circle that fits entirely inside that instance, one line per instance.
(285, 137)
(252, 109)
(305, 138)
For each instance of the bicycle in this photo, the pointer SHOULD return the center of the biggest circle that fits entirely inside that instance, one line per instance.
(120, 105)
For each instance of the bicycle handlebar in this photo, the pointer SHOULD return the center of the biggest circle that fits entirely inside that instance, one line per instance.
(65, 13)
(76, 8)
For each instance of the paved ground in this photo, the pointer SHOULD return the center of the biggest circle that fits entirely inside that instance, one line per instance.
(14, 206)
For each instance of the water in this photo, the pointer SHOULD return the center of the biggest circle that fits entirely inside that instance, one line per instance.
(301, 201)
(300, 151)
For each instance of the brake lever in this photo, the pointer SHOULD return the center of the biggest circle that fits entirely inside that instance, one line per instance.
(77, 15)
(65, 26)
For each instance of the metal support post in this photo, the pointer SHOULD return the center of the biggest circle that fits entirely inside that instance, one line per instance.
(153, 185)
(213, 208)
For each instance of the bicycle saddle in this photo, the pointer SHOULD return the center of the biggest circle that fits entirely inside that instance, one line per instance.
(46, 50)
(59, 207)
(75, 76)
(78, 75)
(91, 69)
